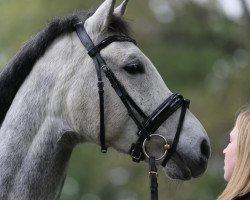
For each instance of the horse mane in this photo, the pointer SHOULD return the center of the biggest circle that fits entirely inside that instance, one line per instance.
(16, 71)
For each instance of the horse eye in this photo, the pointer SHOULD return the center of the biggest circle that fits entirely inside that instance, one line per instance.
(134, 69)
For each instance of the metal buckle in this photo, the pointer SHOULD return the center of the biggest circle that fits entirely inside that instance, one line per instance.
(105, 68)
(153, 173)
(104, 150)
(136, 153)
(77, 23)
(135, 157)
(166, 146)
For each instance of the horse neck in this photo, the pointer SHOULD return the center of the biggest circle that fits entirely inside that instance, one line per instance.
(35, 144)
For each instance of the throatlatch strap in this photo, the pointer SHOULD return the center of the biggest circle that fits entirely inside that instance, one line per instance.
(153, 178)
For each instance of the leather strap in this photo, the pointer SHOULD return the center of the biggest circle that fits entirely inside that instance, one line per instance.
(177, 134)
(153, 179)
(126, 100)
(107, 41)
(88, 44)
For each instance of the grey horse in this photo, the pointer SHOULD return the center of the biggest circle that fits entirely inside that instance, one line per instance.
(49, 104)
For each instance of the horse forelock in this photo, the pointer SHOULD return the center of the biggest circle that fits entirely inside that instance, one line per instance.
(119, 25)
(16, 71)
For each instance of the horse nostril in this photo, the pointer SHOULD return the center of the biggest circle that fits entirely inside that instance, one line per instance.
(205, 148)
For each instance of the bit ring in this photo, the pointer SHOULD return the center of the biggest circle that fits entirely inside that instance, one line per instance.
(166, 146)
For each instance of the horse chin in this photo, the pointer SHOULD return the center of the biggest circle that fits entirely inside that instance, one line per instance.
(177, 168)
(180, 172)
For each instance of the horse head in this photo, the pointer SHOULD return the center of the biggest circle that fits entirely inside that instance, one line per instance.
(140, 79)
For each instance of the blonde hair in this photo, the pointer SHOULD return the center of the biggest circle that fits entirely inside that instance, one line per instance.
(239, 183)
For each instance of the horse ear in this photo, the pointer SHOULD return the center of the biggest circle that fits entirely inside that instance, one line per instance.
(120, 10)
(100, 19)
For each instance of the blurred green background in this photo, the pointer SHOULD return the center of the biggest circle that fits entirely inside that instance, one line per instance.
(201, 49)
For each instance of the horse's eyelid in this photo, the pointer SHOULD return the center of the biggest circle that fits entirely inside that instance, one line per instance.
(139, 68)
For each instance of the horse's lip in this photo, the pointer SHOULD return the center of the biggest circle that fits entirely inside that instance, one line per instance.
(203, 165)
(184, 175)
(186, 172)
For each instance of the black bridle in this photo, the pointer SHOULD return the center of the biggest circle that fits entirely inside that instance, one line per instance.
(146, 127)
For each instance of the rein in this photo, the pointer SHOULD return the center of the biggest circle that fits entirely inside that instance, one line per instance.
(149, 125)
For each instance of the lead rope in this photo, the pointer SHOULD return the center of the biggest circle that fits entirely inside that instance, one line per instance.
(152, 165)
(153, 178)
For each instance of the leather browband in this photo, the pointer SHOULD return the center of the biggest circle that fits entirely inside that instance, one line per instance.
(107, 41)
